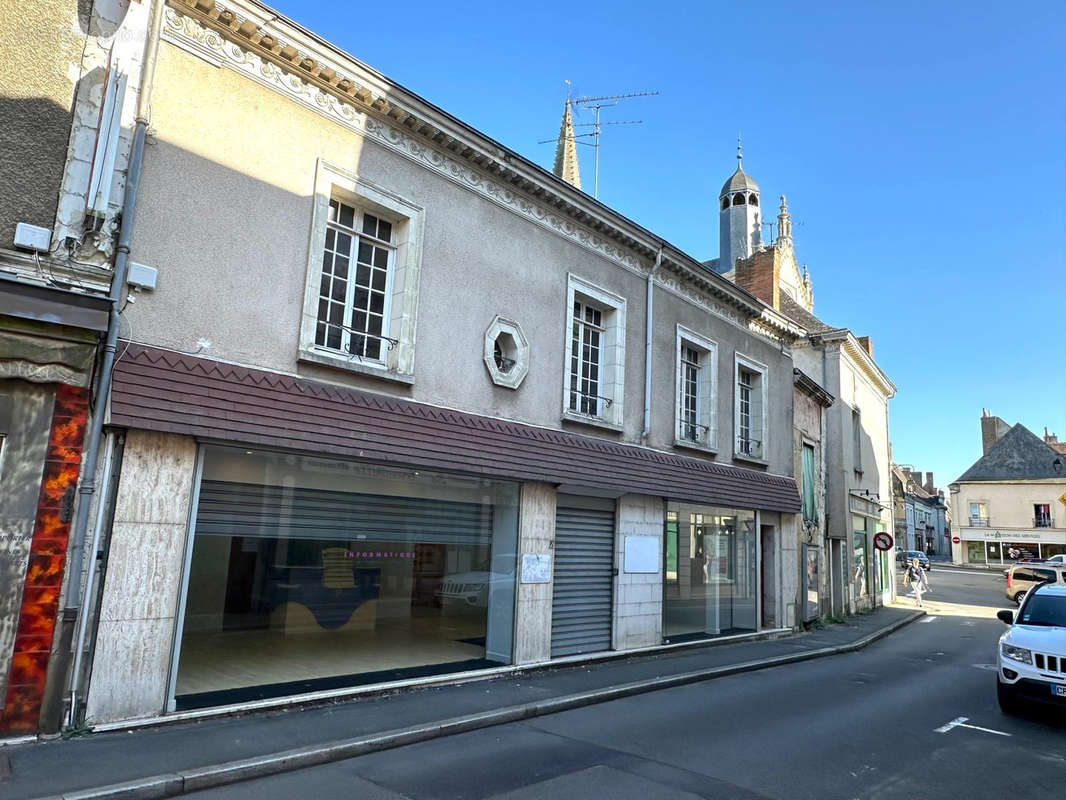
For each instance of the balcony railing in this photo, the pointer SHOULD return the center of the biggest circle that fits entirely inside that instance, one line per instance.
(1044, 522)
(978, 522)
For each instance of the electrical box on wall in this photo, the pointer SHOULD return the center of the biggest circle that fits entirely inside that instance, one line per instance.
(142, 276)
(32, 237)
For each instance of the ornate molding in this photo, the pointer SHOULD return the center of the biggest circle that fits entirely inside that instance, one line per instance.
(190, 35)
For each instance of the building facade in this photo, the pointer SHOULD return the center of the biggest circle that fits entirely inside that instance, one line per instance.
(390, 401)
(60, 193)
(811, 404)
(1009, 504)
(922, 520)
(857, 482)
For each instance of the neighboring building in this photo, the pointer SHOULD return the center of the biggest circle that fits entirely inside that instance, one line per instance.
(405, 404)
(921, 516)
(1008, 504)
(858, 485)
(1052, 441)
(810, 405)
(60, 172)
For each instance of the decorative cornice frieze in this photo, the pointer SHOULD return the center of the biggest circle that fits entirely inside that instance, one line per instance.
(284, 58)
(190, 35)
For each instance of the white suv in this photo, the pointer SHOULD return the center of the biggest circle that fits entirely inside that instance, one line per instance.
(1032, 655)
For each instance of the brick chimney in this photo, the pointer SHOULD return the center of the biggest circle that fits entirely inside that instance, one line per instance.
(929, 486)
(1052, 441)
(760, 274)
(867, 345)
(992, 430)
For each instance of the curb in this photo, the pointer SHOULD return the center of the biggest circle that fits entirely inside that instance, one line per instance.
(173, 784)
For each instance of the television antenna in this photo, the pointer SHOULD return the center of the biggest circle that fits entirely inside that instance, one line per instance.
(597, 103)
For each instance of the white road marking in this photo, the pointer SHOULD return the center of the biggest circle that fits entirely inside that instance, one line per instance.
(928, 619)
(993, 573)
(960, 722)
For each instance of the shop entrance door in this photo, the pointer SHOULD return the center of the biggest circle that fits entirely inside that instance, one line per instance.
(584, 576)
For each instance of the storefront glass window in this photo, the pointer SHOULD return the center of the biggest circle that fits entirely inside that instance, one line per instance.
(860, 560)
(1012, 551)
(975, 553)
(716, 585)
(310, 573)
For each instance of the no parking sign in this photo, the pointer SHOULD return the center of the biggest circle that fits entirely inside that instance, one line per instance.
(883, 541)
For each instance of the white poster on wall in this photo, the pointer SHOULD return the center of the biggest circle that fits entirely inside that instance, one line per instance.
(642, 554)
(536, 567)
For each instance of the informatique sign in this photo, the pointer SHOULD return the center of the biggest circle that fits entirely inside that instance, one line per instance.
(883, 541)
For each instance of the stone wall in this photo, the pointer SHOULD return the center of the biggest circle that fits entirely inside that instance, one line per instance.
(145, 563)
(536, 534)
(638, 606)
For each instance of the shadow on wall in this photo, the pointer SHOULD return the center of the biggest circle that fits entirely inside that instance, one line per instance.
(36, 130)
(33, 151)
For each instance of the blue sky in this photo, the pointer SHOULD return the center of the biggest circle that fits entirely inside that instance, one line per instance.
(922, 147)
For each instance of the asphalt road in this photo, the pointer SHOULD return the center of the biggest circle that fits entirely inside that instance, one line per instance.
(862, 725)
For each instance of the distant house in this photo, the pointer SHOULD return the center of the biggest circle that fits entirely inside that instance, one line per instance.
(1007, 505)
(920, 514)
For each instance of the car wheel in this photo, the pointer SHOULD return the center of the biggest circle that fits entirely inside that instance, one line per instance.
(1008, 703)
(1018, 597)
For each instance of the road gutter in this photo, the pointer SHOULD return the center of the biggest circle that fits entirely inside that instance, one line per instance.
(173, 784)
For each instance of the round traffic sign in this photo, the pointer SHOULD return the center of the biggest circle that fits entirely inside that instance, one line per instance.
(883, 541)
(955, 540)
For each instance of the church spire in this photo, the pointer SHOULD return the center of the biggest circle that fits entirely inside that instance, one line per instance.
(566, 151)
(784, 222)
(740, 155)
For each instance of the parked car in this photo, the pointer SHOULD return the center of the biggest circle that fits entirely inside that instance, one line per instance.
(1035, 560)
(903, 557)
(1031, 655)
(1022, 577)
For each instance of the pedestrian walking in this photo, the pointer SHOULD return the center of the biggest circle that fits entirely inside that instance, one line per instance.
(914, 579)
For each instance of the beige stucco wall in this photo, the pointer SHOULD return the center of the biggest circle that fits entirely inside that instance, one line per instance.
(225, 217)
(1010, 515)
(41, 44)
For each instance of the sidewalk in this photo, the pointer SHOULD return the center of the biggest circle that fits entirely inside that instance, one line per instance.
(174, 759)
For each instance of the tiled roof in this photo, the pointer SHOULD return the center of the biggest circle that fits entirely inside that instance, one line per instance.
(801, 316)
(1019, 455)
(162, 390)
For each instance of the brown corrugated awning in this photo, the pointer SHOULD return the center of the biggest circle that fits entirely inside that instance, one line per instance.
(162, 390)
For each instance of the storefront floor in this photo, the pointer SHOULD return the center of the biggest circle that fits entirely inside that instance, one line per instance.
(239, 659)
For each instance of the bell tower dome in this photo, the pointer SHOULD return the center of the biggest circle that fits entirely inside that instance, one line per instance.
(739, 223)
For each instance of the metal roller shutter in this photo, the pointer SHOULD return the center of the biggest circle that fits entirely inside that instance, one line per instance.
(584, 577)
(243, 509)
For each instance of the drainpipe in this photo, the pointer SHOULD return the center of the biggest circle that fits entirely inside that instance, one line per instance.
(76, 598)
(649, 330)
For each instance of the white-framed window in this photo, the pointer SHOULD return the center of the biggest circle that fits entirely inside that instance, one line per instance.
(595, 354)
(749, 409)
(363, 268)
(506, 352)
(354, 297)
(695, 423)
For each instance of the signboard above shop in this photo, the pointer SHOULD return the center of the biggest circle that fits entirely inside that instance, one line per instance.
(991, 535)
(864, 506)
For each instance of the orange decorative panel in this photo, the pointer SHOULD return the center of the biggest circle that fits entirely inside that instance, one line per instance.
(44, 572)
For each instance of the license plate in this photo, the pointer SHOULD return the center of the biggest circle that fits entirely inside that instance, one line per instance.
(1058, 691)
